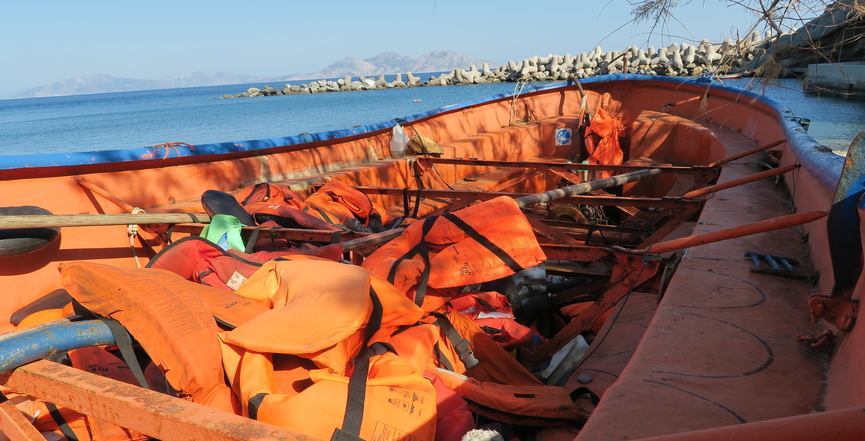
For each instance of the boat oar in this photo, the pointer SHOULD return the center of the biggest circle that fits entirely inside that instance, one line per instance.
(586, 187)
(90, 220)
(740, 181)
(732, 233)
(749, 152)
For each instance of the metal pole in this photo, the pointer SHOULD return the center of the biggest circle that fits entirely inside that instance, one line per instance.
(585, 187)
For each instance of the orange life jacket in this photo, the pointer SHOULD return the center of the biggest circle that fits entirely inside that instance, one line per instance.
(484, 242)
(453, 417)
(492, 362)
(200, 260)
(289, 217)
(522, 405)
(495, 316)
(166, 315)
(337, 202)
(44, 316)
(602, 141)
(344, 323)
(497, 386)
(271, 194)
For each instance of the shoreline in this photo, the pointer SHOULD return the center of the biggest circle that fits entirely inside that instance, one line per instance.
(706, 59)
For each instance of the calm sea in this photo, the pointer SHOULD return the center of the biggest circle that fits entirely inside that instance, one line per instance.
(197, 116)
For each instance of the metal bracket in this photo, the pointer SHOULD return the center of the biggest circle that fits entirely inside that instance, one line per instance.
(839, 312)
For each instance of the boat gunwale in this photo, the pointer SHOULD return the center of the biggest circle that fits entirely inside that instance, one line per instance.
(825, 166)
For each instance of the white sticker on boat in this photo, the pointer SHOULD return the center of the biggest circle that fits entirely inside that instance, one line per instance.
(235, 281)
(563, 136)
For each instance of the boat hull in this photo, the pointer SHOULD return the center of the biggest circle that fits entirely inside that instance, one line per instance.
(668, 123)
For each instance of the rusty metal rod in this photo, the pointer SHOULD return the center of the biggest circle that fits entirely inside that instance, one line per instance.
(743, 154)
(585, 187)
(731, 233)
(621, 168)
(685, 101)
(740, 181)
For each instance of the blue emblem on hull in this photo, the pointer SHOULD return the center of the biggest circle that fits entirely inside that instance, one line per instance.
(563, 136)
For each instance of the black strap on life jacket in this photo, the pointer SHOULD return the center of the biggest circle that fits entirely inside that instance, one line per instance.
(61, 422)
(406, 199)
(493, 248)
(121, 339)
(461, 345)
(250, 243)
(356, 398)
(124, 344)
(423, 250)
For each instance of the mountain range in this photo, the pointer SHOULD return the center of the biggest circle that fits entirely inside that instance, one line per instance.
(383, 63)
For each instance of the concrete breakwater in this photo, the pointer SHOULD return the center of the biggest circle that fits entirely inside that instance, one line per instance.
(674, 60)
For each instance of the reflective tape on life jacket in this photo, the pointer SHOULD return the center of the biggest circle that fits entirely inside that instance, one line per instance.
(494, 315)
(485, 242)
(166, 315)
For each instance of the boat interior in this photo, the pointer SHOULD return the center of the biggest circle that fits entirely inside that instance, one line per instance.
(706, 292)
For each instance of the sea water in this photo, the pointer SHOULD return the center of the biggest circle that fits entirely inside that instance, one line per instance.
(834, 120)
(199, 115)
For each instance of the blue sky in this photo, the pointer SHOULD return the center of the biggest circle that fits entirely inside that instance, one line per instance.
(47, 41)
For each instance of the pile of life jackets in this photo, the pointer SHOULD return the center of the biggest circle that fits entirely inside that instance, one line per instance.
(396, 347)
(335, 206)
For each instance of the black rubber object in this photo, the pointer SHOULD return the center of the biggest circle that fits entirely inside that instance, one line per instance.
(24, 240)
(218, 202)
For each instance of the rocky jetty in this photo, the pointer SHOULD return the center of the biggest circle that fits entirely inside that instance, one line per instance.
(674, 60)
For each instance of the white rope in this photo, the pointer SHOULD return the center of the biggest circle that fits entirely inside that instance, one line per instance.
(132, 230)
(518, 89)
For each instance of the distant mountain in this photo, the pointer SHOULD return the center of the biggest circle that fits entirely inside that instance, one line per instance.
(392, 62)
(108, 83)
(383, 63)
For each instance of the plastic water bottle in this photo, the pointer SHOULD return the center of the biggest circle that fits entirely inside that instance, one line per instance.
(398, 142)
